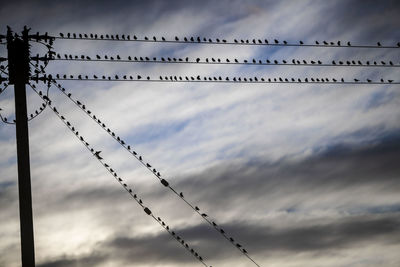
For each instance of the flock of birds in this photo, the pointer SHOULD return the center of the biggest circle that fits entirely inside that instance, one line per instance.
(224, 61)
(98, 156)
(198, 39)
(153, 170)
(199, 78)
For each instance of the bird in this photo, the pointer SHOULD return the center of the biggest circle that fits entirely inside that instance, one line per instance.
(301, 42)
(379, 44)
(181, 194)
(97, 154)
(197, 208)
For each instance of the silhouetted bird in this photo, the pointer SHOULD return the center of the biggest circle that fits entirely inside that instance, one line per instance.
(379, 44)
(97, 154)
(301, 42)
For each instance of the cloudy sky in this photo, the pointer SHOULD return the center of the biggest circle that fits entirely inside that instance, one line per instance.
(300, 175)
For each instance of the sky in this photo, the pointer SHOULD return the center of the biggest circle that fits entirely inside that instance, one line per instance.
(299, 174)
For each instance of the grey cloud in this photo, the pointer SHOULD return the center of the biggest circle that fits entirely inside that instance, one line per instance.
(312, 236)
(335, 168)
(262, 240)
(346, 178)
(74, 261)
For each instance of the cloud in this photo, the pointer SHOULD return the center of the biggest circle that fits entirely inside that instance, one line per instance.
(299, 174)
(311, 238)
(65, 261)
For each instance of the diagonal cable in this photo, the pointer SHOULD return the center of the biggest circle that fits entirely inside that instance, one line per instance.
(156, 173)
(118, 178)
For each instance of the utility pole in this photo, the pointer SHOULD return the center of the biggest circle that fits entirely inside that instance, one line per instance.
(18, 66)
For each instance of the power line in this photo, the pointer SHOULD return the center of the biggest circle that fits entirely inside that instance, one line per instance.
(119, 179)
(227, 61)
(156, 173)
(33, 115)
(153, 171)
(210, 79)
(214, 41)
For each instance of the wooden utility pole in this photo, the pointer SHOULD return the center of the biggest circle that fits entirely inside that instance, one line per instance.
(18, 67)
